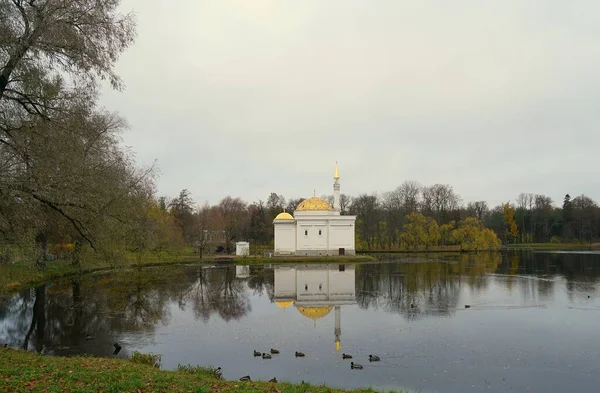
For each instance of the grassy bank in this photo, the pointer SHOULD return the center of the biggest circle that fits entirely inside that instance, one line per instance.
(25, 371)
(414, 251)
(25, 273)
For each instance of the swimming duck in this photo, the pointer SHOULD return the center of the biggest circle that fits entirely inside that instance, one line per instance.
(374, 358)
(246, 379)
(299, 354)
(257, 353)
(346, 356)
(355, 366)
(266, 356)
(273, 380)
(274, 350)
(89, 337)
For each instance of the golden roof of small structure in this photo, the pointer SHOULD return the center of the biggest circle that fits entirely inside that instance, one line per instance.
(284, 304)
(336, 172)
(314, 312)
(314, 203)
(284, 216)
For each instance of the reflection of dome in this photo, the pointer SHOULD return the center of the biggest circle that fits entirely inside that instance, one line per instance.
(314, 203)
(284, 216)
(284, 304)
(314, 312)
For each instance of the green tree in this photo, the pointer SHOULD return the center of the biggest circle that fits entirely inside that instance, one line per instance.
(446, 233)
(63, 174)
(182, 209)
(414, 232)
(471, 235)
(512, 230)
(433, 233)
(567, 213)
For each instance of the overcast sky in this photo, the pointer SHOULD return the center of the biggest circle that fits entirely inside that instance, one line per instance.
(247, 97)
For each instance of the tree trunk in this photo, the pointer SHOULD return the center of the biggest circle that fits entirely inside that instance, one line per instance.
(76, 259)
(42, 243)
(38, 320)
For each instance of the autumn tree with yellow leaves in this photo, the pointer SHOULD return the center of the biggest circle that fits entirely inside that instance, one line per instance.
(512, 231)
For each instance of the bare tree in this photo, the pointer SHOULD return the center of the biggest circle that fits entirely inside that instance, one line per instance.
(345, 201)
(408, 193)
(293, 204)
(202, 228)
(235, 219)
(439, 201)
(478, 209)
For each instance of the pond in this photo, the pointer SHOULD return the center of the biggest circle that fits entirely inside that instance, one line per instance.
(531, 325)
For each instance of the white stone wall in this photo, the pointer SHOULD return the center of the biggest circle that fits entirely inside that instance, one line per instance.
(312, 235)
(342, 282)
(285, 282)
(341, 236)
(316, 283)
(285, 238)
(242, 248)
(335, 232)
(315, 233)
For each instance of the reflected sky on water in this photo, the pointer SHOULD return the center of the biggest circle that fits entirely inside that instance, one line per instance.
(532, 321)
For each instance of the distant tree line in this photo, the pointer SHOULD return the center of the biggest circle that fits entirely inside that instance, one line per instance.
(410, 217)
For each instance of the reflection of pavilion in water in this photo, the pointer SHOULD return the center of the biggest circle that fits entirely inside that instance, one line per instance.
(314, 290)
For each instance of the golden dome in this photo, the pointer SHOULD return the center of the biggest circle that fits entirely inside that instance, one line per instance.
(314, 312)
(314, 203)
(284, 216)
(284, 304)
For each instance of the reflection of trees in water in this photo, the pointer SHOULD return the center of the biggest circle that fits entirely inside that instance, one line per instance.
(107, 306)
(262, 280)
(580, 271)
(432, 283)
(217, 290)
(425, 286)
(104, 306)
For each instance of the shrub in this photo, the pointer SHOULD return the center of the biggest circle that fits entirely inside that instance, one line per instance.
(146, 358)
(208, 371)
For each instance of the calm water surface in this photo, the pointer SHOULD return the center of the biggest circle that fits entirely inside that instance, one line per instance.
(533, 324)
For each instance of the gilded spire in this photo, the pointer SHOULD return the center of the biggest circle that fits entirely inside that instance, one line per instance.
(336, 172)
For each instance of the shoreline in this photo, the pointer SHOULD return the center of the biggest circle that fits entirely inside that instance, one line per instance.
(20, 275)
(24, 370)
(17, 276)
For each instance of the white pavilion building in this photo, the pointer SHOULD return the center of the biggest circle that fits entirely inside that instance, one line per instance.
(316, 228)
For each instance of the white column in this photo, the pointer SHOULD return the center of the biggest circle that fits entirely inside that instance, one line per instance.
(336, 195)
(327, 234)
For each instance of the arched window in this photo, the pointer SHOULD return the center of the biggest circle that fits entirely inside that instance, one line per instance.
(305, 233)
(319, 232)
